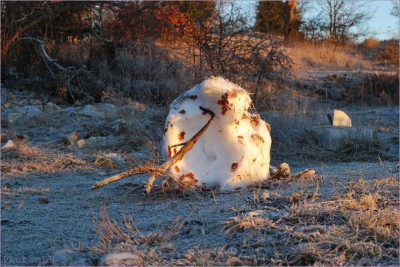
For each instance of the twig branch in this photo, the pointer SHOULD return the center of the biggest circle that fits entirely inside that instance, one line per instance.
(163, 168)
(43, 52)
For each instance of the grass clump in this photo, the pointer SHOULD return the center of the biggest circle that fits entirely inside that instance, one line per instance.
(24, 159)
(357, 226)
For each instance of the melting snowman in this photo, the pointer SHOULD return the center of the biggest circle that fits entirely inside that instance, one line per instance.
(233, 152)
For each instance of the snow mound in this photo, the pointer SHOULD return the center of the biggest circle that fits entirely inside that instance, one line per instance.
(235, 149)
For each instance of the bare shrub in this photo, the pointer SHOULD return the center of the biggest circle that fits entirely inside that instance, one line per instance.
(142, 71)
(384, 53)
(374, 89)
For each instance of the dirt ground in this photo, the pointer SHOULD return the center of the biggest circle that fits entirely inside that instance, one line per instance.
(50, 215)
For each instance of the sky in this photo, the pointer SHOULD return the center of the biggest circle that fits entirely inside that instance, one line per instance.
(382, 25)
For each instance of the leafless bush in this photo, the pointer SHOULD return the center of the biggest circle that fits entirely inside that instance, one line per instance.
(226, 46)
(384, 53)
(374, 89)
(142, 71)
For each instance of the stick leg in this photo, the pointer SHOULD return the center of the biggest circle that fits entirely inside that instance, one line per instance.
(161, 169)
(186, 148)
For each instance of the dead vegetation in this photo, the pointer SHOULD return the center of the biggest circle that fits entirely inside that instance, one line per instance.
(374, 89)
(358, 225)
(326, 56)
(113, 233)
(24, 159)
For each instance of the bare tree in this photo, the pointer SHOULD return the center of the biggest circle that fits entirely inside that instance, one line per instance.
(396, 9)
(337, 18)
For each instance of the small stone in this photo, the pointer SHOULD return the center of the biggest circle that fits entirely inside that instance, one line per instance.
(95, 142)
(10, 145)
(8, 205)
(284, 169)
(44, 200)
(167, 247)
(51, 107)
(265, 195)
(35, 102)
(22, 138)
(69, 139)
(67, 257)
(78, 104)
(4, 222)
(234, 261)
(109, 159)
(4, 138)
(138, 106)
(7, 105)
(120, 259)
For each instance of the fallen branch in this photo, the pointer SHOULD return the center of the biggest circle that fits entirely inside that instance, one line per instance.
(46, 58)
(72, 72)
(160, 170)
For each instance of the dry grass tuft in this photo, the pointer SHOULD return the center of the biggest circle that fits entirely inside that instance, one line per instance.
(26, 159)
(359, 226)
(112, 233)
(250, 221)
(8, 190)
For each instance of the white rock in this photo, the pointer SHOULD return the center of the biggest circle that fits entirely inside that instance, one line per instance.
(95, 142)
(8, 146)
(67, 257)
(120, 259)
(235, 149)
(339, 118)
(113, 156)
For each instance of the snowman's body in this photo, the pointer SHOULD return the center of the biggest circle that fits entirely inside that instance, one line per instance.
(235, 149)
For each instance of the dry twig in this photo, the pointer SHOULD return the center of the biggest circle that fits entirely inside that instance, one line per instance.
(160, 170)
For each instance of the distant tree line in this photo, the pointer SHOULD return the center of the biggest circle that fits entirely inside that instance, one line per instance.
(116, 45)
(105, 41)
(332, 20)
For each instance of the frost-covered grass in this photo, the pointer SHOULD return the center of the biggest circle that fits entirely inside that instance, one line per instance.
(357, 225)
(25, 159)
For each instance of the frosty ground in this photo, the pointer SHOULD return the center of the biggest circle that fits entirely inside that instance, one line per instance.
(348, 214)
